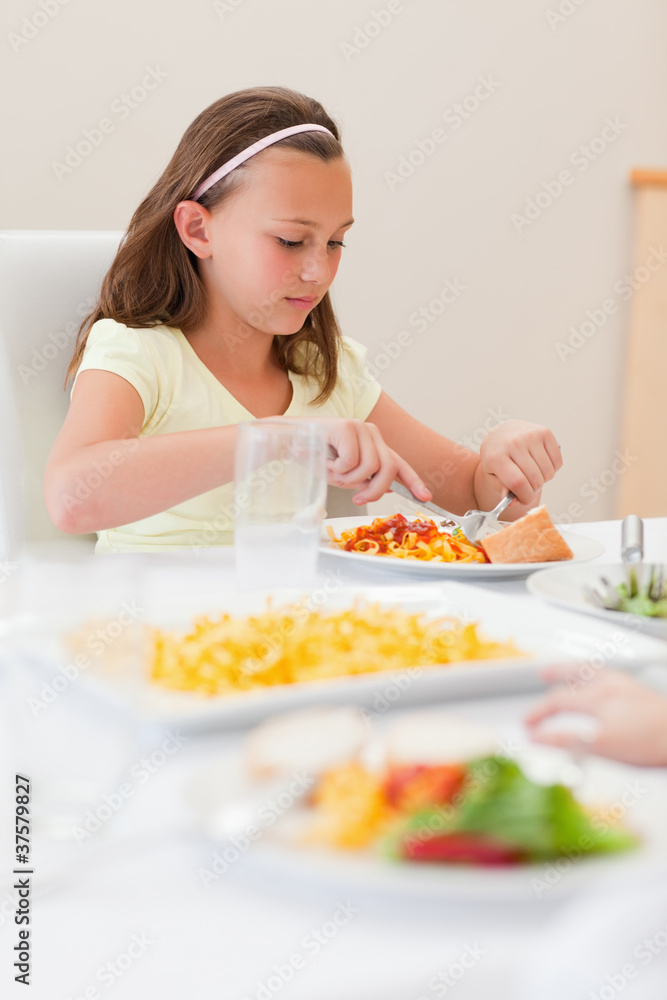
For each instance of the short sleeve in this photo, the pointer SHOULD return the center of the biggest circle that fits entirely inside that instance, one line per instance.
(358, 390)
(114, 347)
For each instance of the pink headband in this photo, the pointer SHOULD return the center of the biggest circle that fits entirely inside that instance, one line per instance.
(256, 147)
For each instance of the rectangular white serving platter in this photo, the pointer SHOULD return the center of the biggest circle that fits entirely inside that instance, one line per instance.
(548, 634)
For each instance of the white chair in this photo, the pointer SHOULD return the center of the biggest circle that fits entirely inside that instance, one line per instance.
(49, 280)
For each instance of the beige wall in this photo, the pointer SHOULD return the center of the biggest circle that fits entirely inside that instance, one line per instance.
(552, 82)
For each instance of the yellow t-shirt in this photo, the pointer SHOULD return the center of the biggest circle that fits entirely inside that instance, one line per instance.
(180, 393)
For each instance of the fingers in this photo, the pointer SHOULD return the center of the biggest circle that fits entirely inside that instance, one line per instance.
(364, 461)
(552, 449)
(529, 476)
(373, 458)
(343, 438)
(522, 456)
(407, 475)
(605, 683)
(568, 741)
(559, 699)
(392, 467)
(543, 463)
(558, 672)
(380, 471)
(563, 699)
(511, 476)
(532, 468)
(368, 457)
(630, 719)
(590, 697)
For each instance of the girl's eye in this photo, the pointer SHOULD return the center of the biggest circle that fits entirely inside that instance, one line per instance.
(290, 244)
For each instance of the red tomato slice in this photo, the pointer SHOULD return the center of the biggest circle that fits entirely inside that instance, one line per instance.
(473, 848)
(417, 785)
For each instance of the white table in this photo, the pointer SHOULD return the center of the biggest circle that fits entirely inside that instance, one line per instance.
(135, 884)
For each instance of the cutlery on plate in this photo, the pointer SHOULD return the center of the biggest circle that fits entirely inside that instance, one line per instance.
(451, 520)
(605, 594)
(632, 552)
(475, 524)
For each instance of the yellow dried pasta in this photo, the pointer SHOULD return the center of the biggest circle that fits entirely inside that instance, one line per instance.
(293, 644)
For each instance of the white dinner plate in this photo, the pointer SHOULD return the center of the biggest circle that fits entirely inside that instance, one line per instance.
(582, 547)
(565, 587)
(226, 802)
(546, 635)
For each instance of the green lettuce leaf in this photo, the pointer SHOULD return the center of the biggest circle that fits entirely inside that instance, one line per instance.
(498, 800)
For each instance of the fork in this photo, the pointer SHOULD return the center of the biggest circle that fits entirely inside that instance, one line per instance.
(478, 523)
(607, 596)
(474, 524)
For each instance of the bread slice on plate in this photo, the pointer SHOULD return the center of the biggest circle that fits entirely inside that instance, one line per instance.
(433, 738)
(533, 538)
(312, 740)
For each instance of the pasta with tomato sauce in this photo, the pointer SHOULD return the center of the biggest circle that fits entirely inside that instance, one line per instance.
(419, 539)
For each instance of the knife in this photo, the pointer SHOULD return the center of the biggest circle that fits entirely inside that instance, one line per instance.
(632, 551)
(452, 519)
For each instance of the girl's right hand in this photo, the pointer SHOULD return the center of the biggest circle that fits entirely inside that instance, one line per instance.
(364, 462)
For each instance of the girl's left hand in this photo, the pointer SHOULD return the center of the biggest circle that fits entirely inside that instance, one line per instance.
(517, 456)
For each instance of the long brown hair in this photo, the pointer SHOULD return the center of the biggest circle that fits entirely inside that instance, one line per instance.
(154, 279)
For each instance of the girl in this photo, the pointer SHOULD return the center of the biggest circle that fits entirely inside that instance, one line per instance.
(216, 310)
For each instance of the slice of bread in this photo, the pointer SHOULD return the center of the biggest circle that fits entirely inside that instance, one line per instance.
(533, 538)
(312, 740)
(432, 738)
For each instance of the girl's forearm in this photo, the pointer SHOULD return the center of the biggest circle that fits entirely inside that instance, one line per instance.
(111, 483)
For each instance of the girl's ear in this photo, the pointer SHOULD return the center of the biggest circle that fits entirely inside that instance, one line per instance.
(191, 220)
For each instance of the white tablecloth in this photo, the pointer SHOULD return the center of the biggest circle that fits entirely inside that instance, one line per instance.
(125, 913)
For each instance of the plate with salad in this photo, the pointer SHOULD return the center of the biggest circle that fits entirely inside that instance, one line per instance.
(642, 605)
(426, 804)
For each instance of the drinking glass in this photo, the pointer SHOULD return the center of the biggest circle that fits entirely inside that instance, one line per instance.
(280, 485)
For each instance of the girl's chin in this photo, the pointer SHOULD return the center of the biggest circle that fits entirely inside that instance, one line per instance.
(287, 331)
(284, 330)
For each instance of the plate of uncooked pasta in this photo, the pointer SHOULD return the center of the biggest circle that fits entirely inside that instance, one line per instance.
(222, 658)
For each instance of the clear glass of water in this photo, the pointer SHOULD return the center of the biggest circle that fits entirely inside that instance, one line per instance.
(280, 486)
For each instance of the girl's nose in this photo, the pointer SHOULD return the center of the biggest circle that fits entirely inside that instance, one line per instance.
(315, 266)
